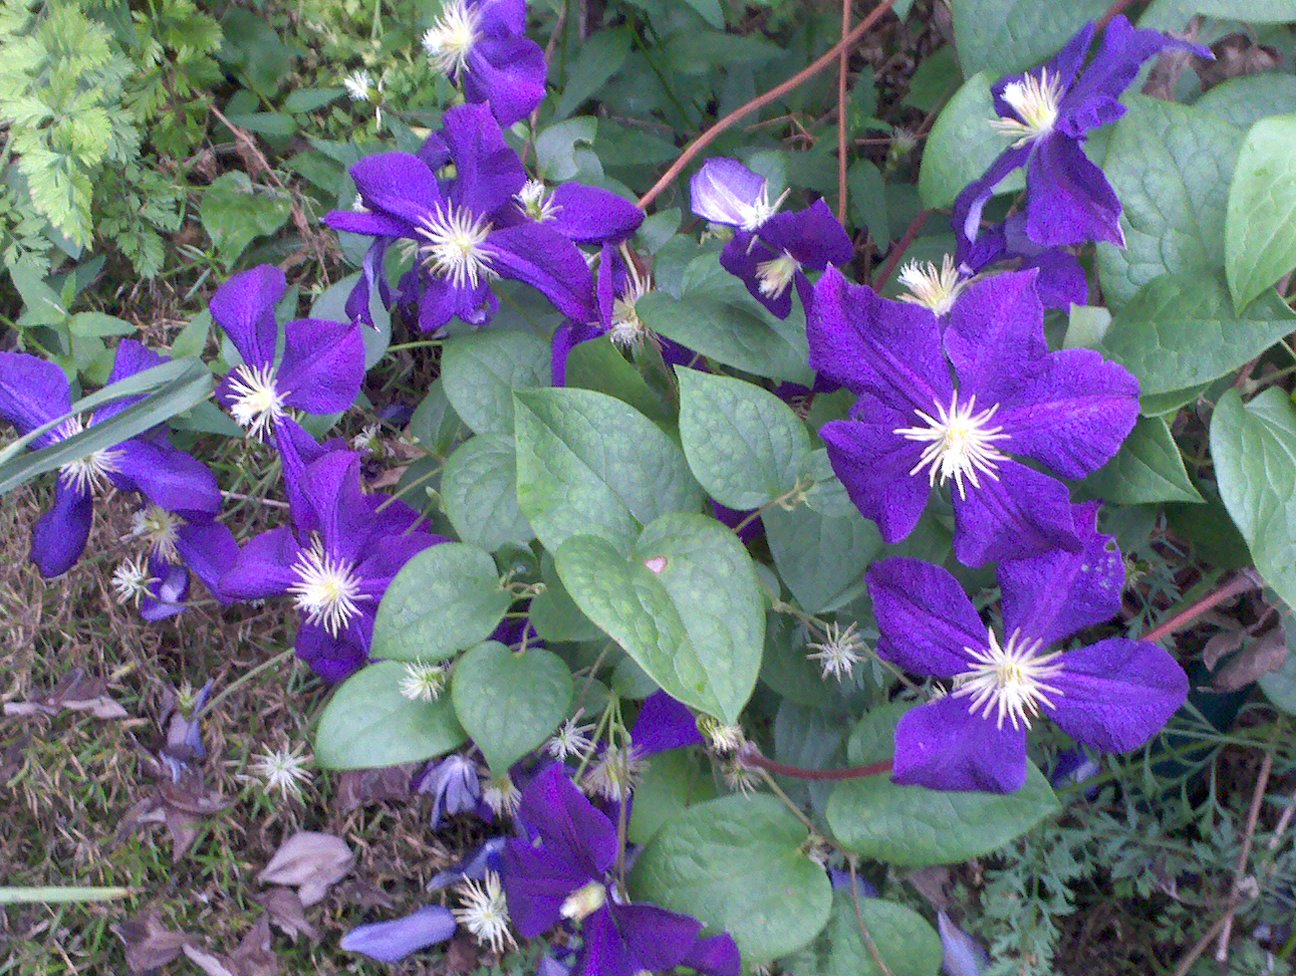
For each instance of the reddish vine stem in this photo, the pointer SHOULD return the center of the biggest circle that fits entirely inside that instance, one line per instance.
(709, 136)
(1112, 13)
(750, 757)
(1241, 583)
(898, 251)
(842, 72)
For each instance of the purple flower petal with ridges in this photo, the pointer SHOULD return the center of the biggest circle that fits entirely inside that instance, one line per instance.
(1068, 198)
(544, 259)
(392, 941)
(942, 746)
(59, 536)
(245, 308)
(33, 392)
(323, 365)
(592, 215)
(994, 331)
(724, 191)
(1016, 514)
(927, 623)
(488, 174)
(663, 724)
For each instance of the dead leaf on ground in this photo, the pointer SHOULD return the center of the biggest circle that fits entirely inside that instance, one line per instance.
(253, 957)
(74, 693)
(1260, 657)
(462, 955)
(361, 787)
(181, 806)
(287, 912)
(309, 861)
(149, 944)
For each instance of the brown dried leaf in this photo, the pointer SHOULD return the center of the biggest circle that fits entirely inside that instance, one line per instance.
(286, 911)
(1222, 644)
(75, 693)
(148, 943)
(310, 862)
(462, 955)
(1236, 55)
(361, 787)
(1257, 659)
(253, 957)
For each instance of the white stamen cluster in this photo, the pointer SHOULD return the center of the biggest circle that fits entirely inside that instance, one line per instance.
(584, 901)
(282, 770)
(131, 581)
(616, 773)
(961, 443)
(90, 473)
(932, 287)
(423, 681)
(159, 529)
(502, 796)
(369, 438)
(739, 778)
(1035, 100)
(327, 590)
(839, 651)
(450, 39)
(776, 274)
(452, 247)
(571, 740)
(723, 738)
(627, 331)
(760, 209)
(1010, 680)
(257, 400)
(536, 201)
(484, 912)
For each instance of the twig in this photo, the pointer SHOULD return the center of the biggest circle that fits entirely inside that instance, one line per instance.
(268, 502)
(898, 251)
(1200, 945)
(859, 918)
(1242, 583)
(1112, 13)
(710, 135)
(1284, 822)
(842, 72)
(559, 26)
(750, 756)
(1235, 895)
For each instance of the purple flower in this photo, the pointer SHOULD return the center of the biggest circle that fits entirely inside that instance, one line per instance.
(916, 426)
(770, 249)
(174, 545)
(338, 571)
(1048, 114)
(1113, 695)
(560, 870)
(482, 44)
(454, 784)
(469, 231)
(393, 941)
(34, 392)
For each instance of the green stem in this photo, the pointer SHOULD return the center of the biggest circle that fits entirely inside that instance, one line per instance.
(28, 896)
(244, 678)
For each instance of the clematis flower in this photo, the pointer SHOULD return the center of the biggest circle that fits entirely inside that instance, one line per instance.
(918, 423)
(337, 573)
(1048, 113)
(1112, 696)
(1062, 282)
(454, 784)
(561, 870)
(469, 231)
(174, 545)
(34, 392)
(482, 45)
(770, 249)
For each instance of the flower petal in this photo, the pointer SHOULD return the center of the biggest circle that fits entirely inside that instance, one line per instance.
(33, 391)
(592, 215)
(655, 939)
(397, 183)
(59, 536)
(663, 724)
(332, 488)
(548, 262)
(742, 258)
(926, 621)
(970, 203)
(167, 596)
(571, 828)
(508, 74)
(333, 658)
(996, 328)
(367, 223)
(536, 884)
(487, 171)
(245, 308)
(264, 567)
(715, 956)
(724, 191)
(1068, 199)
(323, 365)
(1118, 693)
(441, 301)
(393, 941)
(168, 477)
(1054, 595)
(209, 549)
(813, 236)
(130, 358)
(1020, 514)
(943, 746)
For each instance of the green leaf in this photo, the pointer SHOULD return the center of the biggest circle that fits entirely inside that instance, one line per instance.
(673, 781)
(598, 365)
(1148, 469)
(99, 324)
(1245, 101)
(912, 826)
(1253, 11)
(481, 370)
(435, 426)
(907, 944)
(446, 598)
(558, 147)
(1260, 232)
(738, 865)
(1170, 165)
(553, 613)
(1181, 331)
(1280, 686)
(331, 304)
(822, 559)
(744, 444)
(479, 493)
(724, 323)
(1003, 36)
(710, 11)
(309, 99)
(509, 703)
(962, 145)
(234, 213)
(1254, 449)
(598, 59)
(588, 463)
(685, 605)
(368, 723)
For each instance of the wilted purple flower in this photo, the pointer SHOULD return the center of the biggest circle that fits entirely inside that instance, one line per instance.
(1112, 696)
(482, 44)
(1048, 113)
(184, 742)
(393, 941)
(962, 955)
(560, 870)
(174, 545)
(337, 573)
(454, 784)
(473, 867)
(770, 249)
(916, 426)
(34, 392)
(1061, 283)
(469, 231)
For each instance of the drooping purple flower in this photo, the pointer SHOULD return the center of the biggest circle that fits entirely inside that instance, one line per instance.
(34, 392)
(174, 545)
(184, 742)
(337, 572)
(394, 940)
(961, 404)
(1048, 113)
(560, 870)
(769, 250)
(1061, 283)
(468, 231)
(453, 783)
(1113, 695)
(482, 45)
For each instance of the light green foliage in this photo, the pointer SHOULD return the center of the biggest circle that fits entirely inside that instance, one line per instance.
(907, 945)
(1260, 231)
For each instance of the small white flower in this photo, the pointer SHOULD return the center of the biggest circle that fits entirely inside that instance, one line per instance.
(502, 795)
(932, 287)
(369, 438)
(131, 581)
(739, 778)
(449, 41)
(484, 912)
(283, 770)
(839, 652)
(571, 741)
(359, 85)
(423, 681)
